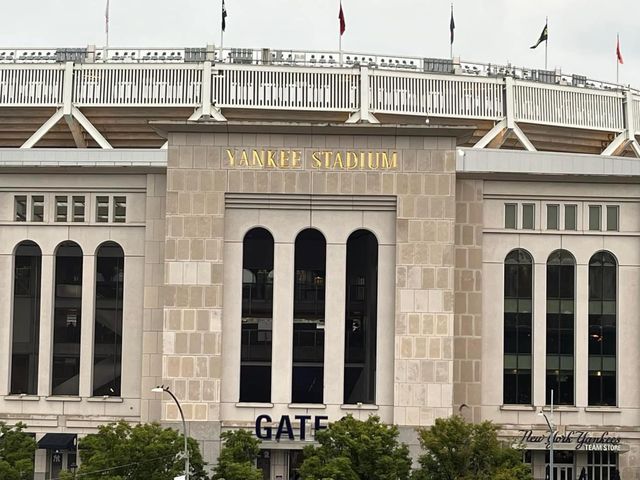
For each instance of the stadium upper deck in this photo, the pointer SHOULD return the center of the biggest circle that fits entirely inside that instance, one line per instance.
(93, 97)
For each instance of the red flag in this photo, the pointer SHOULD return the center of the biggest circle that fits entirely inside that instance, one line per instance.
(619, 53)
(343, 25)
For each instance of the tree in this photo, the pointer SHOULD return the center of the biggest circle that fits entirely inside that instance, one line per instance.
(121, 451)
(17, 450)
(351, 449)
(457, 450)
(238, 456)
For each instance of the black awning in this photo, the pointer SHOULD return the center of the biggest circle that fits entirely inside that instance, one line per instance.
(58, 441)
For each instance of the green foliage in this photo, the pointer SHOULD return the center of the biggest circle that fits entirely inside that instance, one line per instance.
(238, 457)
(121, 451)
(457, 450)
(351, 449)
(17, 450)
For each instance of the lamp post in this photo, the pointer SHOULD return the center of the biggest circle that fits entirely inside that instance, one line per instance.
(160, 389)
(551, 437)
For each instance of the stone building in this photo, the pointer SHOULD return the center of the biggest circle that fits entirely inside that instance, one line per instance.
(278, 273)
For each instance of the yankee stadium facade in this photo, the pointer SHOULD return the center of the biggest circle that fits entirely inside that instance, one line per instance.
(281, 238)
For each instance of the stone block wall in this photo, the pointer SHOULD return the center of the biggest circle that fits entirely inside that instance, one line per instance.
(468, 299)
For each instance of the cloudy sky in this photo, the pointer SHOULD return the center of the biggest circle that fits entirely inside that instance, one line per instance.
(582, 33)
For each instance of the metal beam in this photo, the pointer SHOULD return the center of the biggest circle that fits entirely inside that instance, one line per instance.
(42, 131)
(523, 138)
(363, 115)
(617, 145)
(497, 129)
(90, 129)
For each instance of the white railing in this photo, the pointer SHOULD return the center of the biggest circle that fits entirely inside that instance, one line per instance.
(286, 89)
(636, 114)
(330, 89)
(35, 85)
(435, 95)
(137, 85)
(568, 107)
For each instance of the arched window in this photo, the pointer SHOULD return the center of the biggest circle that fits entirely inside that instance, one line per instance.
(107, 345)
(26, 318)
(66, 320)
(257, 316)
(361, 318)
(560, 327)
(602, 329)
(308, 317)
(518, 288)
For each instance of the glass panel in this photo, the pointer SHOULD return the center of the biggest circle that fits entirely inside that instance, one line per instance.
(107, 347)
(26, 319)
(595, 214)
(361, 318)
(66, 323)
(517, 327)
(78, 209)
(102, 209)
(37, 208)
(20, 208)
(612, 218)
(62, 204)
(510, 216)
(552, 217)
(560, 327)
(257, 316)
(570, 216)
(308, 317)
(528, 216)
(119, 209)
(602, 329)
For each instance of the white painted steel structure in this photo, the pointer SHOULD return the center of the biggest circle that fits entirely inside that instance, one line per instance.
(375, 89)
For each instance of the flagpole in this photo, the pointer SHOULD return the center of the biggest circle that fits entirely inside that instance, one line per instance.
(546, 44)
(340, 37)
(451, 33)
(106, 25)
(223, 14)
(617, 59)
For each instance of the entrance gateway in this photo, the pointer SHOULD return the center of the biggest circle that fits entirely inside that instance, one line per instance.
(281, 455)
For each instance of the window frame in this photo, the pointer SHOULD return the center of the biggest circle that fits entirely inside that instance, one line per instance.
(515, 215)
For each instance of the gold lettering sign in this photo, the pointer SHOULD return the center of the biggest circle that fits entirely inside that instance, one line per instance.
(293, 159)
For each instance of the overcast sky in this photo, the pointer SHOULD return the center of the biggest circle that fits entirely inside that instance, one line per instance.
(582, 33)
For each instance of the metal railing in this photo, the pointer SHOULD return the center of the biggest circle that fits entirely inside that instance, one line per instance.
(313, 81)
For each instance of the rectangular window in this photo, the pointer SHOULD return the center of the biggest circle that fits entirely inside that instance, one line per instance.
(612, 218)
(78, 209)
(528, 216)
(37, 208)
(595, 216)
(21, 208)
(553, 212)
(102, 209)
(62, 207)
(119, 209)
(510, 215)
(570, 216)
(602, 465)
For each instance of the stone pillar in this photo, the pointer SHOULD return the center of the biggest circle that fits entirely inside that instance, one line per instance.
(468, 299)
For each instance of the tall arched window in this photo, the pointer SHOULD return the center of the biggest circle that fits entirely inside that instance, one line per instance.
(257, 316)
(602, 329)
(308, 317)
(26, 318)
(66, 320)
(518, 288)
(560, 327)
(361, 318)
(107, 346)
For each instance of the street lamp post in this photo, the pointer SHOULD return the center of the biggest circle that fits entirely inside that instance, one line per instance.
(551, 438)
(160, 389)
